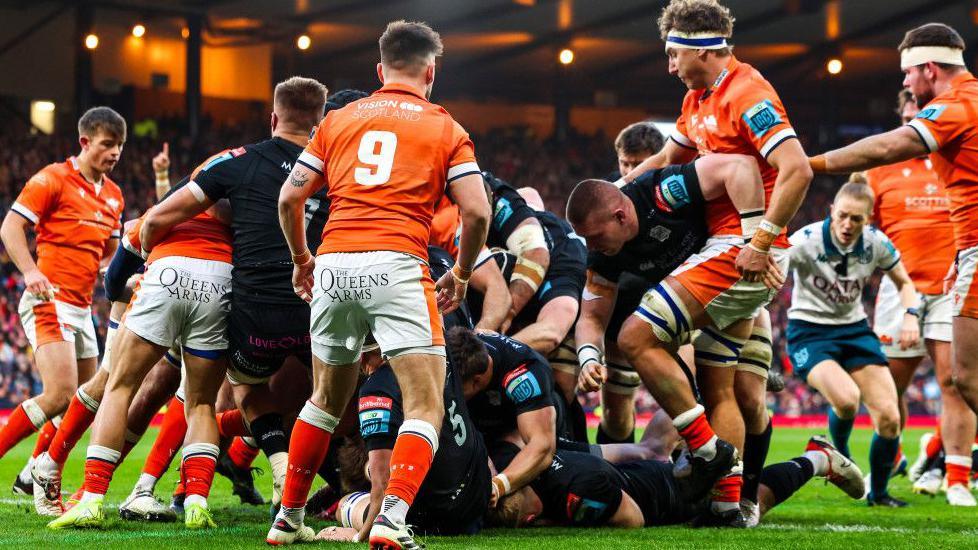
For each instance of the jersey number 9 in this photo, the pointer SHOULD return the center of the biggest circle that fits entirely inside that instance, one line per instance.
(379, 160)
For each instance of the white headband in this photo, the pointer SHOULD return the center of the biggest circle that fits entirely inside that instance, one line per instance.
(696, 41)
(918, 55)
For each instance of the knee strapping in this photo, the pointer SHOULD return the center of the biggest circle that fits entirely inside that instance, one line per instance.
(662, 308)
(622, 379)
(757, 353)
(715, 349)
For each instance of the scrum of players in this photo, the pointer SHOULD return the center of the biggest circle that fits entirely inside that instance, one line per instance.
(415, 331)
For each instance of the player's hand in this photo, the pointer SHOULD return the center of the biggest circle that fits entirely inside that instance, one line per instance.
(337, 534)
(952, 275)
(497, 493)
(592, 377)
(38, 284)
(773, 278)
(302, 279)
(910, 332)
(450, 292)
(507, 321)
(161, 162)
(752, 264)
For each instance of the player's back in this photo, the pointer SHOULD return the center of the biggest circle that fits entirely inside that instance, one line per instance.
(911, 208)
(387, 160)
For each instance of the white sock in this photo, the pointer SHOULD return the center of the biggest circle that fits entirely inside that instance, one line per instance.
(819, 460)
(46, 464)
(280, 466)
(25, 472)
(89, 497)
(146, 482)
(293, 515)
(394, 509)
(708, 451)
(195, 499)
(719, 507)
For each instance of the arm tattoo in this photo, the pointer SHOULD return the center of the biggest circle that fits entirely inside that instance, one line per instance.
(298, 179)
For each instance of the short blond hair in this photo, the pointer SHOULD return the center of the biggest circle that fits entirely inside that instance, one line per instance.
(858, 190)
(300, 101)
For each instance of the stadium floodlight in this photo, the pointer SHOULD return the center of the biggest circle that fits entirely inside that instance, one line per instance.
(303, 42)
(566, 56)
(834, 65)
(138, 30)
(91, 41)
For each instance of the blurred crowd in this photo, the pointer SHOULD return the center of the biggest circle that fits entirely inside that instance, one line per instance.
(513, 154)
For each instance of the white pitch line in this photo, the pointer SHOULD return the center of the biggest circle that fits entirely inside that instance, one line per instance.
(860, 528)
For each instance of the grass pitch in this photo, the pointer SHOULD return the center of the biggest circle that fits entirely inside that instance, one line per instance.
(818, 516)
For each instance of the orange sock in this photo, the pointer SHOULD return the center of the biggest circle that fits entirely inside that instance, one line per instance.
(241, 453)
(20, 425)
(168, 441)
(199, 460)
(697, 433)
(414, 449)
(958, 469)
(231, 424)
(307, 450)
(99, 467)
(77, 419)
(44, 437)
(727, 489)
(935, 445)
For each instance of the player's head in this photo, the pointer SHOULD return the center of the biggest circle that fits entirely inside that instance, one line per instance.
(101, 134)
(343, 98)
(906, 106)
(408, 50)
(518, 509)
(930, 54)
(596, 210)
(635, 143)
(696, 33)
(852, 209)
(470, 359)
(297, 106)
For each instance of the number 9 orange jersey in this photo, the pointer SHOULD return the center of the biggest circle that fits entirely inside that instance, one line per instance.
(387, 160)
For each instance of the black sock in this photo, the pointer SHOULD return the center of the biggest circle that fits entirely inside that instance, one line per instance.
(755, 454)
(268, 432)
(577, 419)
(603, 437)
(784, 478)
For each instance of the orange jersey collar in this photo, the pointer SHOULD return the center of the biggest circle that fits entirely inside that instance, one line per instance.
(398, 88)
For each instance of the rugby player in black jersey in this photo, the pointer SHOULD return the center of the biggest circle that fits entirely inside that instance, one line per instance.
(649, 228)
(455, 495)
(582, 489)
(509, 390)
(268, 323)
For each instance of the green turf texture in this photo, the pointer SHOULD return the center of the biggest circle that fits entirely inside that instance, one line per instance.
(819, 516)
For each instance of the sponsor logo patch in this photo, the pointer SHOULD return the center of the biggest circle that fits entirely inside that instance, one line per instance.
(762, 117)
(932, 112)
(375, 402)
(374, 421)
(521, 385)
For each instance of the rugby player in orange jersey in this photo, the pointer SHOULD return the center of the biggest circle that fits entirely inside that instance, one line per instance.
(184, 297)
(932, 60)
(731, 108)
(386, 161)
(75, 210)
(912, 209)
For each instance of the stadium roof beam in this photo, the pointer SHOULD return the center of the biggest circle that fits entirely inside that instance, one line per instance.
(563, 36)
(819, 51)
(36, 26)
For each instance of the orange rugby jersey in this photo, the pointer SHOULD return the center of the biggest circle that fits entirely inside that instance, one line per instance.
(203, 237)
(740, 113)
(446, 227)
(912, 210)
(948, 126)
(387, 160)
(73, 219)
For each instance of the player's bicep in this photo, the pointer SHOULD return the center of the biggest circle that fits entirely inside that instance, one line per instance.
(181, 205)
(468, 192)
(301, 183)
(379, 466)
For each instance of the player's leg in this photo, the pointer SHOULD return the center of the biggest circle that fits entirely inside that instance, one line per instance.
(645, 339)
(554, 321)
(779, 481)
(205, 374)
(880, 396)
(618, 398)
(842, 393)
(957, 423)
(750, 387)
(563, 363)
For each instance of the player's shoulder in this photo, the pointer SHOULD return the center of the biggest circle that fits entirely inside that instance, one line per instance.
(811, 233)
(875, 235)
(53, 173)
(749, 89)
(220, 160)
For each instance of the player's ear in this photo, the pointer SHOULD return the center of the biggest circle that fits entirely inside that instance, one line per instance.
(380, 73)
(84, 141)
(429, 74)
(274, 120)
